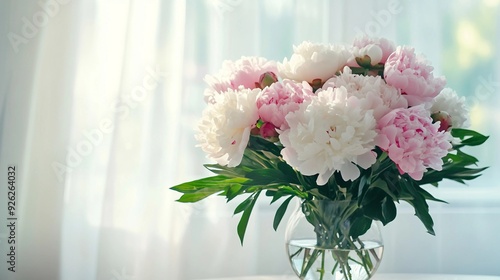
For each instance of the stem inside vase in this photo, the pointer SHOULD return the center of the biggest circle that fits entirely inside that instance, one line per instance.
(331, 252)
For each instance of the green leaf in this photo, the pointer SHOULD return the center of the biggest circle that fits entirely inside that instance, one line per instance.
(454, 172)
(289, 172)
(363, 187)
(466, 158)
(233, 191)
(226, 171)
(270, 155)
(378, 205)
(199, 195)
(419, 204)
(280, 212)
(360, 226)
(265, 177)
(242, 206)
(468, 137)
(381, 184)
(199, 189)
(196, 185)
(274, 194)
(422, 212)
(455, 167)
(428, 196)
(388, 210)
(242, 225)
(259, 143)
(279, 191)
(253, 159)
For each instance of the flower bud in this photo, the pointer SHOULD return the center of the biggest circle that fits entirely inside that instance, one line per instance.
(255, 131)
(268, 130)
(364, 61)
(375, 53)
(444, 119)
(316, 84)
(267, 79)
(369, 56)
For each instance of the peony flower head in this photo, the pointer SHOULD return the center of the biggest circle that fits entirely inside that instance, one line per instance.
(448, 102)
(277, 100)
(224, 130)
(312, 62)
(412, 141)
(413, 75)
(372, 91)
(329, 132)
(245, 72)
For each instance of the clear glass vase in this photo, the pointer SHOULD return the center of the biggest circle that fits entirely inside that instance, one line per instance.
(332, 240)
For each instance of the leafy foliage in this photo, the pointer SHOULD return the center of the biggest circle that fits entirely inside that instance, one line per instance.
(370, 197)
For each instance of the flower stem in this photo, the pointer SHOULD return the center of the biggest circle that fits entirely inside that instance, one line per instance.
(310, 262)
(335, 266)
(322, 269)
(296, 253)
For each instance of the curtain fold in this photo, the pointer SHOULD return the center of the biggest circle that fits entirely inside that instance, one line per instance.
(99, 100)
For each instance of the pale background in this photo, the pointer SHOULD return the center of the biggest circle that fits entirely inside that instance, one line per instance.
(98, 100)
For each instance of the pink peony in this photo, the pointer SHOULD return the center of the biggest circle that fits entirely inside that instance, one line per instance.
(277, 100)
(413, 75)
(244, 72)
(412, 141)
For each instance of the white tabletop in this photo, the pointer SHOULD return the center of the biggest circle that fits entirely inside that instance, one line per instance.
(380, 277)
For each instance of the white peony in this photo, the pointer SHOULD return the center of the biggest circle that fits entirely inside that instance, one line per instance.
(373, 92)
(311, 62)
(374, 52)
(224, 129)
(378, 49)
(328, 133)
(449, 102)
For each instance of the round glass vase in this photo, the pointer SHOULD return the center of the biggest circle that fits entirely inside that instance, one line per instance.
(330, 240)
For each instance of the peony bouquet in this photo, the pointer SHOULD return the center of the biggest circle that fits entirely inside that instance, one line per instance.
(366, 125)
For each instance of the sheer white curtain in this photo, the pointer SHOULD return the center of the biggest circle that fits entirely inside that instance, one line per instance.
(99, 100)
